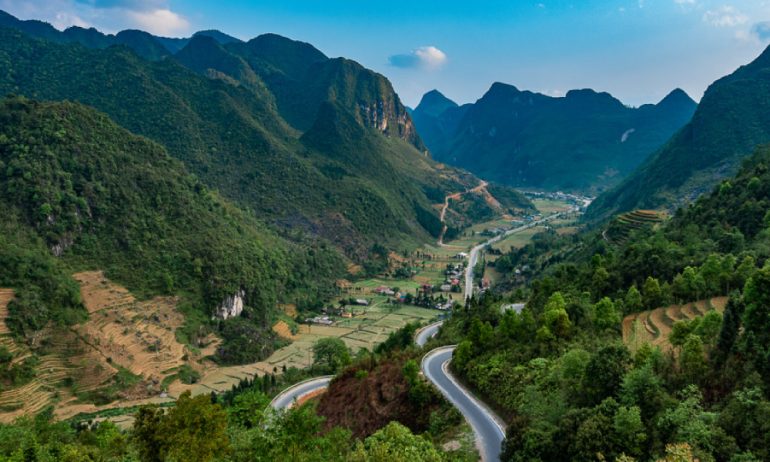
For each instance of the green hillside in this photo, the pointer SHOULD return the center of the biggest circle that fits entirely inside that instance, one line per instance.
(568, 373)
(585, 141)
(731, 120)
(75, 184)
(231, 135)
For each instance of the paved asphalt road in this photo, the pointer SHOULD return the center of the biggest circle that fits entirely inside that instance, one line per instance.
(293, 393)
(427, 333)
(489, 433)
(473, 258)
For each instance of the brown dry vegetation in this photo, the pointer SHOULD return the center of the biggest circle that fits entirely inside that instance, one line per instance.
(366, 404)
(139, 336)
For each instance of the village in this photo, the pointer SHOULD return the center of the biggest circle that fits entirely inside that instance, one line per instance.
(441, 296)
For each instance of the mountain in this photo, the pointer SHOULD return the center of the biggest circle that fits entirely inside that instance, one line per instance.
(142, 43)
(302, 78)
(74, 185)
(732, 118)
(584, 141)
(436, 119)
(250, 119)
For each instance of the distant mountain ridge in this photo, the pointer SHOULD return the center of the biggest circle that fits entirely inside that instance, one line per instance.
(251, 119)
(584, 141)
(731, 120)
(142, 43)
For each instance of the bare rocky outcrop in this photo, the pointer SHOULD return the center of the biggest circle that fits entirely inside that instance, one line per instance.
(64, 243)
(231, 306)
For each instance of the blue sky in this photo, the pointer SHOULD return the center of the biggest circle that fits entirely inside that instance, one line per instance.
(638, 50)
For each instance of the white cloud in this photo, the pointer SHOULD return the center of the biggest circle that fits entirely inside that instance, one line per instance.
(110, 16)
(160, 22)
(64, 19)
(684, 2)
(725, 16)
(426, 57)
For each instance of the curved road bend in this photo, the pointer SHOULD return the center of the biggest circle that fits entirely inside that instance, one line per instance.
(486, 425)
(292, 394)
(427, 333)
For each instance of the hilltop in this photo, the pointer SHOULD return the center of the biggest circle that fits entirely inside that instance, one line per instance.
(583, 141)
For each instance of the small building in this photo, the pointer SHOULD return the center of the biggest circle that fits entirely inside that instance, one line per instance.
(322, 320)
(446, 287)
(461, 256)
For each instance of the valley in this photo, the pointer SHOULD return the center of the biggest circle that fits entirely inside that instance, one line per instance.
(232, 248)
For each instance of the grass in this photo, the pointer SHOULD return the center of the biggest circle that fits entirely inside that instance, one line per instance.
(548, 206)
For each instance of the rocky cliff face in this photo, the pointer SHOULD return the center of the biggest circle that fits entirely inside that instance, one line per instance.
(231, 306)
(390, 117)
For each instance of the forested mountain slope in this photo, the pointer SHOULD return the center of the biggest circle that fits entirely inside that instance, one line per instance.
(731, 120)
(584, 141)
(74, 185)
(572, 387)
(218, 108)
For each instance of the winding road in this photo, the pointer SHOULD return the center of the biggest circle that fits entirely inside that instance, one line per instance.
(427, 333)
(294, 393)
(488, 428)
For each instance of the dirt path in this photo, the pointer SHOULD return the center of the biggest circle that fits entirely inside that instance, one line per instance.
(482, 188)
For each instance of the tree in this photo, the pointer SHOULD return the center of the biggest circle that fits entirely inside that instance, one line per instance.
(629, 429)
(462, 354)
(606, 315)
(248, 408)
(395, 442)
(653, 296)
(555, 317)
(644, 389)
(331, 354)
(147, 435)
(692, 360)
(194, 430)
(633, 302)
(604, 373)
(731, 323)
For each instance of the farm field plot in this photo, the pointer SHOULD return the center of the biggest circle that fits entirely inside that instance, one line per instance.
(362, 331)
(654, 326)
(548, 206)
(517, 240)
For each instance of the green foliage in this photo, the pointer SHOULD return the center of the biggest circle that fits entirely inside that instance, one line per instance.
(727, 126)
(150, 225)
(193, 430)
(330, 354)
(222, 117)
(395, 443)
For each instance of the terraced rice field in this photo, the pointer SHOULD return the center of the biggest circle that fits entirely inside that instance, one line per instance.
(654, 326)
(624, 224)
(33, 396)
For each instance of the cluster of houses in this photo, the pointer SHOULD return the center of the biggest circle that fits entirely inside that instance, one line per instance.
(454, 274)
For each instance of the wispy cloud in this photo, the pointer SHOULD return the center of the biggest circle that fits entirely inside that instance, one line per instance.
(154, 16)
(725, 16)
(426, 57)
